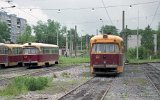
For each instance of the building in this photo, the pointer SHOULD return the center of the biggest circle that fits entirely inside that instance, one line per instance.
(15, 24)
(132, 41)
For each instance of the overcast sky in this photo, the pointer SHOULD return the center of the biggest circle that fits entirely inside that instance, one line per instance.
(88, 20)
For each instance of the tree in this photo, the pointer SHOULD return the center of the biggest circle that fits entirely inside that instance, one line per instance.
(147, 40)
(47, 32)
(109, 29)
(4, 32)
(62, 36)
(40, 30)
(158, 39)
(26, 36)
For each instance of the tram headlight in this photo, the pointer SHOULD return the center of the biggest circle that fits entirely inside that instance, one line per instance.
(97, 56)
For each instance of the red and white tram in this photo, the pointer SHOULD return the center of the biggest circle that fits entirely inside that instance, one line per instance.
(40, 54)
(10, 55)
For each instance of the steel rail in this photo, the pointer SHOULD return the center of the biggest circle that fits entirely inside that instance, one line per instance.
(107, 90)
(151, 80)
(75, 88)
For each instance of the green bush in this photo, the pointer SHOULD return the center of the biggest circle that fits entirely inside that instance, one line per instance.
(131, 53)
(23, 84)
(143, 53)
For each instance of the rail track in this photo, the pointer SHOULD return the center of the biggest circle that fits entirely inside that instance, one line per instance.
(5, 81)
(29, 72)
(11, 70)
(153, 75)
(94, 89)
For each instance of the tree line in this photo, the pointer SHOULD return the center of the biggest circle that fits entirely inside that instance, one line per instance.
(47, 32)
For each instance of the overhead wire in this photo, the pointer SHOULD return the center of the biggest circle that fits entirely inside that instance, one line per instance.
(143, 3)
(24, 11)
(107, 12)
(86, 8)
(155, 13)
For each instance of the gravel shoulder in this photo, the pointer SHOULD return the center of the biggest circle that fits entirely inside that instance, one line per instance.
(132, 85)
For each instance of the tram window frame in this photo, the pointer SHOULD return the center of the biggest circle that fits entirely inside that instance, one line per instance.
(49, 50)
(31, 48)
(4, 50)
(115, 45)
(16, 50)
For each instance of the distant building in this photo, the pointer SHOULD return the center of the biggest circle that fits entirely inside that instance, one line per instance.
(132, 41)
(15, 24)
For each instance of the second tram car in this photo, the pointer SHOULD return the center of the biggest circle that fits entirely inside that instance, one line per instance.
(10, 55)
(40, 54)
(106, 54)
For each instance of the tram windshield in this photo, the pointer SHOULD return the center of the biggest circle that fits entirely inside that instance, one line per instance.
(104, 48)
(30, 50)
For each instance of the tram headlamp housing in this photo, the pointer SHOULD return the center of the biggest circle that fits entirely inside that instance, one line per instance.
(105, 36)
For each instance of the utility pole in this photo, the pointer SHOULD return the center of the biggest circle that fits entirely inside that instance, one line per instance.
(75, 41)
(57, 37)
(138, 36)
(70, 42)
(102, 26)
(81, 42)
(66, 43)
(126, 39)
(155, 44)
(87, 42)
(123, 33)
(96, 31)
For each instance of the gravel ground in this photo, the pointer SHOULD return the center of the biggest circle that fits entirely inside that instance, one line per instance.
(153, 72)
(132, 85)
(157, 65)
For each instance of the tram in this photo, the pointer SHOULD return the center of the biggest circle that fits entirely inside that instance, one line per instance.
(106, 54)
(40, 54)
(11, 55)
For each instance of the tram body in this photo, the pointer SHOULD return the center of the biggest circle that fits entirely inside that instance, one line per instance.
(11, 55)
(40, 54)
(106, 54)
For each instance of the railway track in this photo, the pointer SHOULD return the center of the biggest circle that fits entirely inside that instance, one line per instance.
(94, 89)
(4, 81)
(11, 70)
(153, 75)
(30, 72)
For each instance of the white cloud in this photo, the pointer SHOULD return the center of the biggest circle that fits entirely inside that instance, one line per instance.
(70, 18)
(32, 16)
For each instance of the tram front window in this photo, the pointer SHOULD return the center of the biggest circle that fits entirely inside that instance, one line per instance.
(30, 51)
(104, 48)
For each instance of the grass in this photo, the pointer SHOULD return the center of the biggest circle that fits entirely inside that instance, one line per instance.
(73, 60)
(137, 61)
(65, 74)
(23, 84)
(63, 86)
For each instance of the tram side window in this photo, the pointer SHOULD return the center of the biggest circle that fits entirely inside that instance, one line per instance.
(16, 51)
(49, 50)
(46, 50)
(103, 48)
(3, 51)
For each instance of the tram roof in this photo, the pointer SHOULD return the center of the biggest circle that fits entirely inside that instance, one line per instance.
(111, 37)
(40, 45)
(10, 45)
